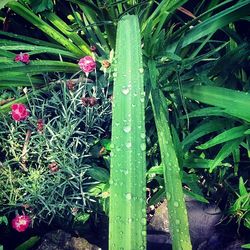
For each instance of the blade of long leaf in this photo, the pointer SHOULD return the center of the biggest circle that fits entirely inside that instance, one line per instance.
(235, 103)
(201, 130)
(225, 151)
(66, 30)
(127, 220)
(176, 205)
(214, 23)
(227, 135)
(39, 23)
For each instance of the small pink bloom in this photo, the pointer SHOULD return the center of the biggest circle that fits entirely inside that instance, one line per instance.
(22, 57)
(19, 112)
(40, 125)
(93, 48)
(87, 64)
(21, 222)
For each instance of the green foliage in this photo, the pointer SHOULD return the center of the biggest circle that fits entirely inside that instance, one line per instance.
(173, 186)
(52, 172)
(127, 222)
(28, 244)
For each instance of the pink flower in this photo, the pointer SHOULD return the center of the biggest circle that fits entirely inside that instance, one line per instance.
(87, 64)
(22, 57)
(19, 112)
(21, 222)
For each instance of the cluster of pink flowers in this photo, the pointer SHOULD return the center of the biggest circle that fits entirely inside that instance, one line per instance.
(19, 112)
(22, 57)
(21, 222)
(87, 64)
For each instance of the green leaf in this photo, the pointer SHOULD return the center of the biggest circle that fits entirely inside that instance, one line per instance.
(41, 5)
(227, 135)
(242, 188)
(225, 151)
(28, 243)
(4, 220)
(201, 130)
(43, 26)
(127, 214)
(99, 174)
(4, 2)
(246, 246)
(233, 102)
(81, 217)
(106, 144)
(197, 197)
(213, 23)
(155, 170)
(171, 170)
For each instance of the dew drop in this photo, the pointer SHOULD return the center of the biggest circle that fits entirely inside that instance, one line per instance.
(128, 196)
(143, 136)
(143, 221)
(112, 146)
(125, 90)
(176, 204)
(144, 233)
(168, 196)
(141, 70)
(177, 222)
(127, 129)
(128, 145)
(143, 146)
(114, 74)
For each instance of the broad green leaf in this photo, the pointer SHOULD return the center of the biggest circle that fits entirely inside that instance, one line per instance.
(225, 136)
(233, 102)
(127, 212)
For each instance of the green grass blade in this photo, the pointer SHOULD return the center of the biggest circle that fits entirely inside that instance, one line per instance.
(66, 30)
(214, 23)
(201, 130)
(225, 151)
(174, 193)
(43, 26)
(233, 102)
(38, 67)
(227, 135)
(127, 217)
(30, 40)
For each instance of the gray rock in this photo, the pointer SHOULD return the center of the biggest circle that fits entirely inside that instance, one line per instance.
(203, 219)
(60, 240)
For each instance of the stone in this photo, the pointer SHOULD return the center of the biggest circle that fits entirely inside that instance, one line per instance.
(60, 240)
